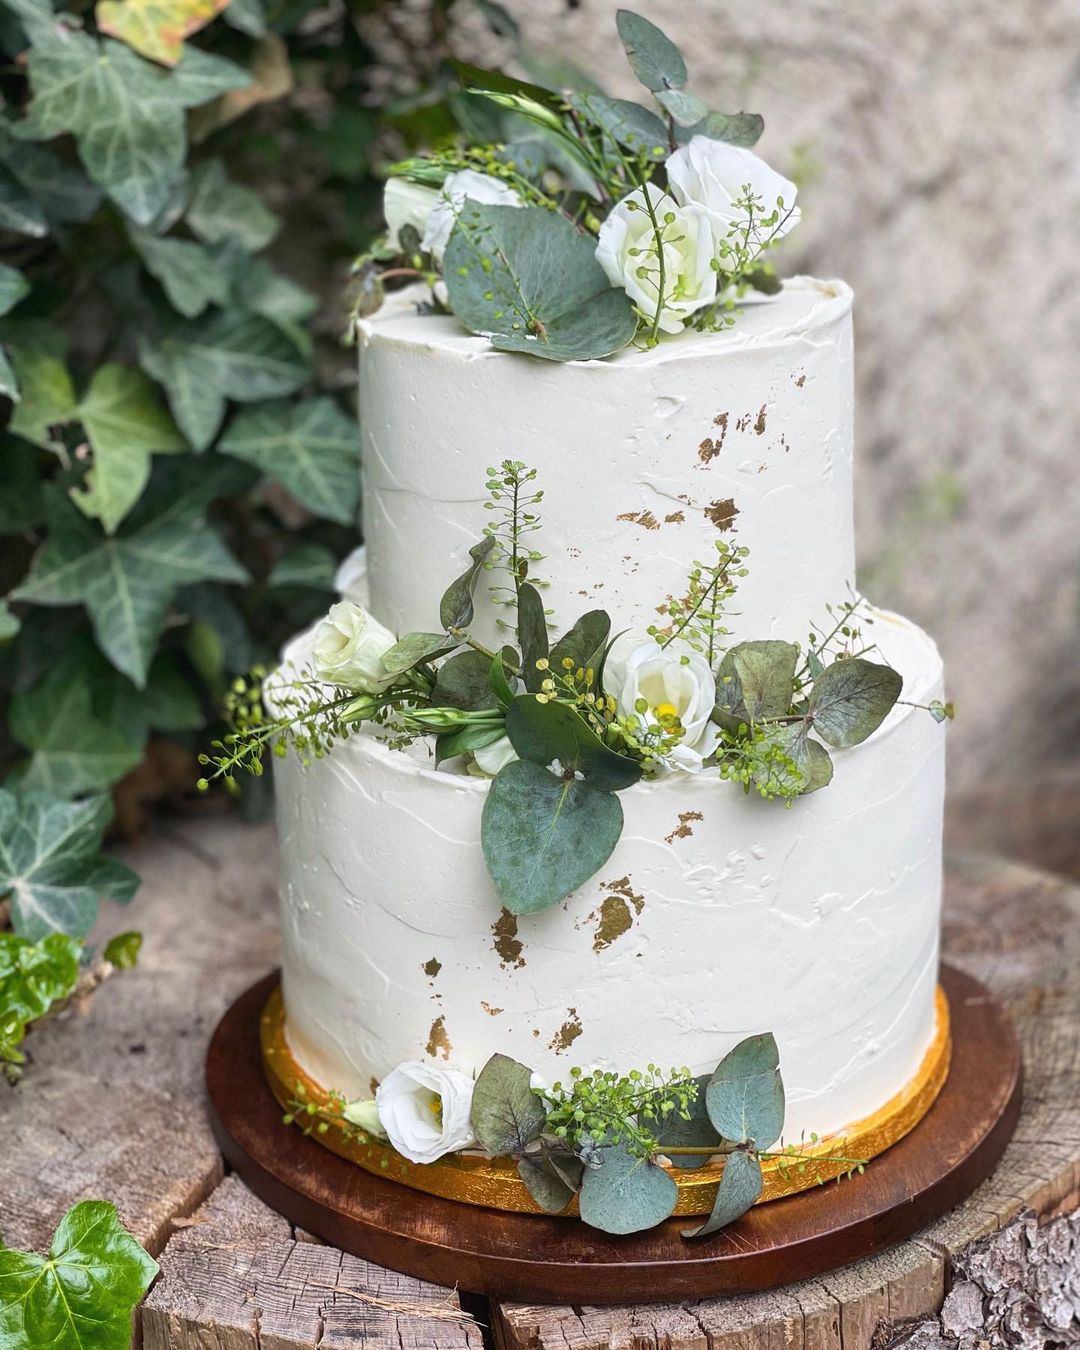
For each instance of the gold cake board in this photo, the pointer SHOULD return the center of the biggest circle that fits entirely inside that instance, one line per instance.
(495, 1183)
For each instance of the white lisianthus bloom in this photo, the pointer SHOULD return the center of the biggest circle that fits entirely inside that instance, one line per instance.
(426, 1111)
(714, 176)
(406, 203)
(627, 251)
(491, 758)
(364, 1114)
(465, 185)
(674, 687)
(349, 647)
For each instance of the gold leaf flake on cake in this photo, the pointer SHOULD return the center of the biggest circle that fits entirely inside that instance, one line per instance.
(507, 943)
(711, 446)
(645, 519)
(676, 518)
(431, 968)
(613, 919)
(759, 425)
(438, 1041)
(800, 381)
(491, 1012)
(683, 830)
(722, 513)
(373, 1085)
(568, 1033)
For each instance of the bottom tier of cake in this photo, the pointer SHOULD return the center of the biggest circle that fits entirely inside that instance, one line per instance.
(717, 916)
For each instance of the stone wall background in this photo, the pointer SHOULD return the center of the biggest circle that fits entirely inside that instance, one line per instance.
(939, 148)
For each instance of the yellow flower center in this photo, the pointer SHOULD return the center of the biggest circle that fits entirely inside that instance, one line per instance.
(663, 710)
(435, 1107)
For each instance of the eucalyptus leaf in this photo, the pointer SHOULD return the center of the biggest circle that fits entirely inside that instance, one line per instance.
(544, 836)
(625, 1194)
(456, 606)
(548, 731)
(745, 1096)
(416, 648)
(850, 700)
(812, 761)
(532, 635)
(741, 128)
(628, 124)
(583, 643)
(506, 1113)
(528, 280)
(740, 1185)
(653, 57)
(755, 682)
(472, 736)
(463, 682)
(686, 109)
(552, 1175)
(678, 1133)
(497, 680)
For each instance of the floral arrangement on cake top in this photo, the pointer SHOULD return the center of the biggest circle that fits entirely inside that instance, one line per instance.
(563, 725)
(570, 224)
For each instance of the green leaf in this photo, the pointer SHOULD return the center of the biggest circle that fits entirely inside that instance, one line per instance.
(416, 648)
(126, 115)
(628, 124)
(740, 1185)
(58, 191)
(625, 1194)
(755, 682)
(156, 28)
(46, 394)
(71, 750)
(10, 623)
(122, 949)
(472, 736)
(257, 287)
(19, 212)
(9, 384)
(456, 606)
(126, 424)
(741, 128)
(679, 1133)
(525, 278)
(127, 581)
(310, 448)
(82, 1294)
(190, 275)
(506, 1113)
(687, 110)
(224, 355)
(745, 1096)
(13, 286)
(462, 682)
(812, 761)
(552, 1175)
(543, 732)
(544, 836)
(246, 16)
(170, 701)
(219, 211)
(850, 700)
(532, 635)
(654, 58)
(305, 564)
(35, 975)
(500, 686)
(583, 643)
(498, 82)
(50, 865)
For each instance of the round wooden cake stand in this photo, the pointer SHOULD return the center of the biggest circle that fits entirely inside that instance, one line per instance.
(535, 1259)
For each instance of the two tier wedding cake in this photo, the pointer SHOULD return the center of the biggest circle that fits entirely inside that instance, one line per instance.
(617, 859)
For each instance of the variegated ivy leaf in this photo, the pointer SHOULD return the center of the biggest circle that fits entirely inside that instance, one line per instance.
(156, 28)
(39, 187)
(219, 211)
(190, 275)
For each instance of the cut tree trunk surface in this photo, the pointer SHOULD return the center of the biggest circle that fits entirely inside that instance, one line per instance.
(112, 1107)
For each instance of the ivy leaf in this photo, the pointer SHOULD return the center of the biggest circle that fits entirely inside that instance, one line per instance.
(416, 648)
(247, 16)
(46, 394)
(35, 975)
(56, 190)
(9, 384)
(741, 128)
(583, 643)
(220, 212)
(156, 28)
(49, 862)
(456, 606)
(625, 1194)
(125, 424)
(13, 286)
(122, 950)
(686, 109)
(755, 682)
(628, 124)
(506, 1113)
(127, 581)
(462, 682)
(71, 750)
(83, 1292)
(544, 836)
(552, 1175)
(679, 1133)
(306, 564)
(654, 58)
(19, 212)
(126, 115)
(526, 279)
(190, 275)
(543, 732)
(745, 1096)
(9, 623)
(740, 1185)
(532, 635)
(850, 700)
(310, 448)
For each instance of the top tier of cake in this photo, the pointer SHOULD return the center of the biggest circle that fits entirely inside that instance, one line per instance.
(643, 458)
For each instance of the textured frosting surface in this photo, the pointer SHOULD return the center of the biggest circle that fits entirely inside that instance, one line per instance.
(717, 916)
(644, 459)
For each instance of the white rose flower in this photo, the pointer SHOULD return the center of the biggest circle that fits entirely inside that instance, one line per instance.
(490, 759)
(364, 1114)
(349, 647)
(426, 1111)
(465, 185)
(406, 203)
(714, 175)
(673, 685)
(628, 253)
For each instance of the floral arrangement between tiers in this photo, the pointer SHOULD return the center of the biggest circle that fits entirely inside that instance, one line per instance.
(571, 224)
(562, 726)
